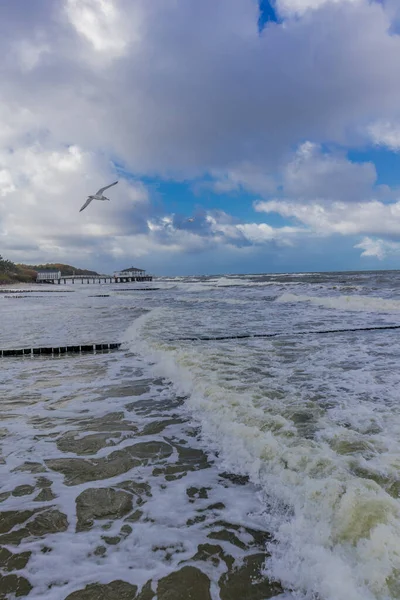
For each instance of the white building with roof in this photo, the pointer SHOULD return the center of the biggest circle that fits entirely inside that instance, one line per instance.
(48, 275)
(130, 272)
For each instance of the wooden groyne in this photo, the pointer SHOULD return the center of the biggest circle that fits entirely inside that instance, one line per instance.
(57, 350)
(245, 336)
(35, 291)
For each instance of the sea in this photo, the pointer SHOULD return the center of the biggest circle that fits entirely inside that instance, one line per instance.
(242, 443)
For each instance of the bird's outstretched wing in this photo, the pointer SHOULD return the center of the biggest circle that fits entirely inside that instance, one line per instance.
(103, 189)
(88, 201)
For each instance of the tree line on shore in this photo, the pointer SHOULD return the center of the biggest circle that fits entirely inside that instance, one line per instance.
(17, 272)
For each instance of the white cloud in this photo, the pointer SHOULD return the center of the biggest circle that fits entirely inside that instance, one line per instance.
(216, 230)
(41, 191)
(6, 183)
(377, 248)
(384, 133)
(310, 174)
(185, 88)
(102, 25)
(316, 175)
(254, 233)
(299, 7)
(372, 218)
(193, 87)
(379, 223)
(243, 177)
(42, 188)
(30, 53)
(259, 233)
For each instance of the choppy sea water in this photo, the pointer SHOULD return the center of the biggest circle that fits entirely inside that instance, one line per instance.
(201, 469)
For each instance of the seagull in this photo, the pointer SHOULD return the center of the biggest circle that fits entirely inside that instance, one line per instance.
(98, 195)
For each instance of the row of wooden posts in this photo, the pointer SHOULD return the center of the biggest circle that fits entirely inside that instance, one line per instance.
(57, 350)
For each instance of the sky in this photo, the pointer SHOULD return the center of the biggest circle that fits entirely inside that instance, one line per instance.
(246, 136)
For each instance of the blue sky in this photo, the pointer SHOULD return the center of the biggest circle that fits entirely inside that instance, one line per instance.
(268, 14)
(246, 136)
(387, 163)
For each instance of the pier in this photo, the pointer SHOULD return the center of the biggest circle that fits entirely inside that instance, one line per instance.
(97, 279)
(126, 276)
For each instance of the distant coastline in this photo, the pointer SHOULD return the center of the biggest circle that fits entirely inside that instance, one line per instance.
(22, 273)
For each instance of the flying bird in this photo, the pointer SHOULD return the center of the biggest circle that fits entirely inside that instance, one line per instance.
(98, 195)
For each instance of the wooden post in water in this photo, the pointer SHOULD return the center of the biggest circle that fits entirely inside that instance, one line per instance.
(49, 350)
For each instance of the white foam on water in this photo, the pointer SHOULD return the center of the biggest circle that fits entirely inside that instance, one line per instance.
(245, 282)
(350, 303)
(62, 392)
(315, 423)
(337, 535)
(211, 300)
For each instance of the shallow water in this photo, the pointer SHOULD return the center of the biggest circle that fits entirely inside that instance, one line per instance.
(251, 468)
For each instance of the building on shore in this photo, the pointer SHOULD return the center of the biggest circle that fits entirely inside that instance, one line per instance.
(48, 275)
(131, 274)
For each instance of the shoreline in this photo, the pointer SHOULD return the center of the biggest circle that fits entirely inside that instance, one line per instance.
(131, 470)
